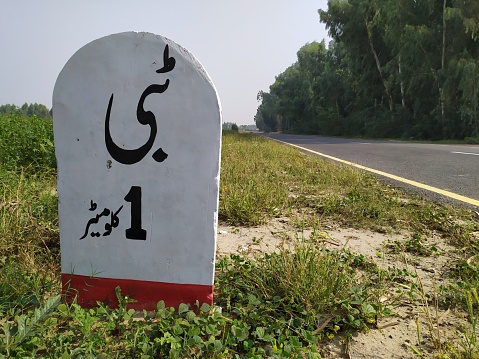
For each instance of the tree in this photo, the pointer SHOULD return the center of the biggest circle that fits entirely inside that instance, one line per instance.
(228, 125)
(6, 109)
(35, 109)
(267, 113)
(288, 90)
(406, 68)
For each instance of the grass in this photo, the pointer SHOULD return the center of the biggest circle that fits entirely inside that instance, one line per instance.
(29, 238)
(285, 304)
(261, 180)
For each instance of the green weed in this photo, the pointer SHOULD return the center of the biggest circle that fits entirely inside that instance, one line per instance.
(305, 287)
(26, 141)
(29, 220)
(252, 188)
(261, 179)
(18, 339)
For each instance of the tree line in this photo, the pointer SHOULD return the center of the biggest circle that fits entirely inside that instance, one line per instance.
(403, 69)
(33, 109)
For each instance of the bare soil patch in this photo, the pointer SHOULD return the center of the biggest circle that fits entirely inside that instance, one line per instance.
(394, 336)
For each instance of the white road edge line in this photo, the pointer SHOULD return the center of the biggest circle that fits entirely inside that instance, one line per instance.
(388, 175)
(466, 153)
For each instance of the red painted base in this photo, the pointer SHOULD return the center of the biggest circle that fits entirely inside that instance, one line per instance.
(89, 290)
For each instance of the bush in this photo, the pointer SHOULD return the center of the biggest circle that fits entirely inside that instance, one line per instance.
(472, 140)
(26, 141)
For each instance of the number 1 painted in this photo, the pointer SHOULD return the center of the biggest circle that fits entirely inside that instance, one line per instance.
(135, 232)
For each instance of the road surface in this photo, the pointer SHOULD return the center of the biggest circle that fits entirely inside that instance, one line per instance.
(451, 168)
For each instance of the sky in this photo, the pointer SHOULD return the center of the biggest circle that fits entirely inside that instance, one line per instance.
(242, 44)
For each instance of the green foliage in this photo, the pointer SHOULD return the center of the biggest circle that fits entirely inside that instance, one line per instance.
(29, 242)
(464, 292)
(298, 295)
(404, 69)
(33, 109)
(26, 141)
(64, 331)
(266, 115)
(18, 339)
(416, 245)
(318, 295)
(230, 126)
(298, 289)
(249, 192)
(21, 287)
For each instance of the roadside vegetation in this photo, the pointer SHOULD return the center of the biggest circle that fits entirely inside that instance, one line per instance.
(286, 304)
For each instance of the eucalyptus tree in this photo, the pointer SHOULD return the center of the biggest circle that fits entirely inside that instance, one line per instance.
(33, 109)
(311, 66)
(266, 114)
(462, 82)
(360, 26)
(406, 68)
(287, 90)
(423, 53)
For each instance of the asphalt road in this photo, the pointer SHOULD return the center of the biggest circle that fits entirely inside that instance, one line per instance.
(453, 168)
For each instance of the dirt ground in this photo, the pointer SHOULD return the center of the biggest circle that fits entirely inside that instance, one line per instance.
(395, 336)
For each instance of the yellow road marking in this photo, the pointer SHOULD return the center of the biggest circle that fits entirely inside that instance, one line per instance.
(394, 177)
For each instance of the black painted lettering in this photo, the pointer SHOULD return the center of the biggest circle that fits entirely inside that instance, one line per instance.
(135, 232)
(129, 157)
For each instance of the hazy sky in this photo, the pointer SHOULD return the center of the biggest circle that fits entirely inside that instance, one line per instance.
(242, 44)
